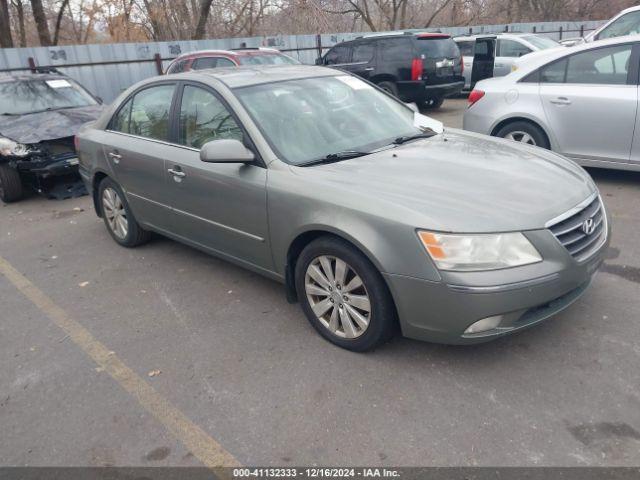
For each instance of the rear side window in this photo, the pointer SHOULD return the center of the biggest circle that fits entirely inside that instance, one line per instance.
(177, 67)
(146, 114)
(437, 47)
(603, 66)
(363, 52)
(396, 49)
(204, 62)
(466, 47)
(511, 48)
(338, 54)
(628, 24)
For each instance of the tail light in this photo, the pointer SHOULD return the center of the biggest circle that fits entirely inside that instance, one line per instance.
(76, 143)
(474, 96)
(416, 69)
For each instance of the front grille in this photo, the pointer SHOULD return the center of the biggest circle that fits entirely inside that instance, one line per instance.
(571, 233)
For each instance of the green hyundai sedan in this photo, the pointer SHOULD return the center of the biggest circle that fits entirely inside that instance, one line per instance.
(373, 216)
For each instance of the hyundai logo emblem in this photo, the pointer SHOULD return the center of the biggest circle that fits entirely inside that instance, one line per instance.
(589, 226)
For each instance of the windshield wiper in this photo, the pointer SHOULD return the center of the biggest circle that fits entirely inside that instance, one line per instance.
(427, 133)
(335, 157)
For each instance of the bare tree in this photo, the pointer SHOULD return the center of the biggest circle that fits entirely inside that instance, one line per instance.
(41, 22)
(22, 32)
(6, 40)
(56, 33)
(205, 7)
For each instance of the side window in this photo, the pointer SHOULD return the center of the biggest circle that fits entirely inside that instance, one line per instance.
(224, 62)
(150, 112)
(204, 62)
(204, 118)
(120, 121)
(554, 72)
(363, 52)
(602, 66)
(628, 24)
(511, 48)
(397, 49)
(177, 67)
(466, 48)
(338, 54)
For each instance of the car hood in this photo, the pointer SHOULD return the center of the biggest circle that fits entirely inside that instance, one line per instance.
(459, 182)
(43, 126)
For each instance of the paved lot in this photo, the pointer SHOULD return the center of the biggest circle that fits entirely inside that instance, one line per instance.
(239, 369)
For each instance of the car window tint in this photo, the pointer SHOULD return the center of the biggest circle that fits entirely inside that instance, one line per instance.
(363, 52)
(204, 118)
(511, 48)
(177, 67)
(628, 24)
(554, 72)
(224, 62)
(603, 66)
(397, 49)
(338, 54)
(120, 121)
(466, 48)
(204, 62)
(150, 112)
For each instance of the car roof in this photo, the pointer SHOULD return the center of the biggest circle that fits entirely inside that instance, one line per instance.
(464, 38)
(255, 75)
(232, 52)
(531, 61)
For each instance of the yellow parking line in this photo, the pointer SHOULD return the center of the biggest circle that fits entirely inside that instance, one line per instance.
(201, 445)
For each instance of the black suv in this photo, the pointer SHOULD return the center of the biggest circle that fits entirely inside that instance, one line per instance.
(416, 67)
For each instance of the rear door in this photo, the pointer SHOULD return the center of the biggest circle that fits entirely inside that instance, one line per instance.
(135, 149)
(509, 50)
(483, 59)
(221, 207)
(590, 100)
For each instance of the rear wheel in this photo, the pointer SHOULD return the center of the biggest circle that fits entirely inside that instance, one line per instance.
(389, 87)
(343, 295)
(524, 132)
(10, 184)
(118, 217)
(433, 103)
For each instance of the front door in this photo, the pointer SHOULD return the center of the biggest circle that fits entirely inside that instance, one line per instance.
(483, 59)
(221, 207)
(590, 100)
(362, 59)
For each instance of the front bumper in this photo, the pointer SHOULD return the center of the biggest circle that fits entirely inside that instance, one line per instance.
(441, 311)
(54, 166)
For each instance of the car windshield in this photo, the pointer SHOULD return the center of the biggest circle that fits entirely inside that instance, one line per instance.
(309, 119)
(30, 96)
(541, 43)
(438, 47)
(267, 59)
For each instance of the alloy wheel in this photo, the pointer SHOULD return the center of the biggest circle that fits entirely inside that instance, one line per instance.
(519, 136)
(115, 213)
(337, 296)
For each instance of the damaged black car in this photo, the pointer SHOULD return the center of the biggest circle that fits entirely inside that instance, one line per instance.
(40, 114)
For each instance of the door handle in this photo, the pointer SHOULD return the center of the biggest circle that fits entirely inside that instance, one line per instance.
(176, 173)
(561, 101)
(368, 69)
(116, 157)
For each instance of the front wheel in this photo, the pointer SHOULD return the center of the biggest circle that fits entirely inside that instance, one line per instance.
(10, 184)
(524, 132)
(344, 296)
(118, 217)
(433, 103)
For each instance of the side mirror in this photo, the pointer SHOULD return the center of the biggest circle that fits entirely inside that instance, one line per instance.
(319, 61)
(226, 151)
(413, 107)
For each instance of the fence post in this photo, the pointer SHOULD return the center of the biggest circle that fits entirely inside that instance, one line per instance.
(470, 30)
(506, 28)
(32, 64)
(560, 32)
(534, 29)
(582, 30)
(319, 44)
(158, 59)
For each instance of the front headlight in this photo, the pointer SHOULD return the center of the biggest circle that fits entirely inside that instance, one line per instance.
(13, 149)
(474, 252)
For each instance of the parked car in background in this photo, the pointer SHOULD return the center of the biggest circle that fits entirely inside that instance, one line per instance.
(229, 58)
(581, 102)
(39, 116)
(627, 22)
(416, 67)
(371, 214)
(496, 54)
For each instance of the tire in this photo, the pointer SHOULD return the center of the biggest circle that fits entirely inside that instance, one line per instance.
(524, 132)
(113, 206)
(433, 103)
(345, 299)
(389, 87)
(10, 184)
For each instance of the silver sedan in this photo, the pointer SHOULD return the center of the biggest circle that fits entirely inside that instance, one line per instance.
(580, 101)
